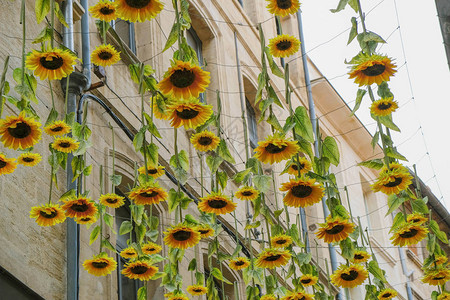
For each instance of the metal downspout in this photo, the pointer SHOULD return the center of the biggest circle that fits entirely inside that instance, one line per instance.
(86, 44)
(313, 118)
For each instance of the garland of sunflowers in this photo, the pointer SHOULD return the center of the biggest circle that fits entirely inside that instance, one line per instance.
(175, 98)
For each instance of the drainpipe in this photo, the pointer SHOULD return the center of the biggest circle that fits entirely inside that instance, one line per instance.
(85, 44)
(313, 118)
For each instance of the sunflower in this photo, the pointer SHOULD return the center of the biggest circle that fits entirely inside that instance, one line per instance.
(179, 297)
(151, 248)
(239, 263)
(7, 165)
(129, 252)
(349, 277)
(140, 269)
(440, 260)
(272, 258)
(302, 192)
(308, 280)
(392, 181)
(205, 141)
(48, 214)
(268, 297)
(436, 277)
(284, 45)
(444, 296)
(19, 132)
(86, 220)
(305, 167)
(100, 265)
(52, 64)
(298, 296)
(153, 171)
(151, 193)
(383, 107)
(104, 10)
(196, 290)
(57, 128)
(281, 241)
(360, 256)
(335, 229)
(368, 69)
(387, 294)
(181, 236)
(216, 203)
(79, 208)
(29, 159)
(112, 200)
(189, 113)
(205, 231)
(416, 218)
(65, 144)
(283, 8)
(105, 55)
(275, 149)
(409, 234)
(138, 10)
(247, 193)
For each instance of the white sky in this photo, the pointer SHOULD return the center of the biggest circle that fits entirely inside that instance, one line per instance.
(428, 69)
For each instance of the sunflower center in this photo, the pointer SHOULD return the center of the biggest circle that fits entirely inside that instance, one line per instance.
(22, 130)
(394, 183)
(87, 219)
(387, 295)
(48, 216)
(204, 141)
(280, 242)
(284, 4)
(130, 253)
(295, 167)
(247, 193)
(335, 230)
(105, 55)
(358, 256)
(197, 290)
(352, 275)
(375, 70)
(64, 144)
(152, 171)
(239, 263)
(138, 3)
(301, 191)
(384, 105)
(56, 129)
(151, 249)
(105, 10)
(79, 207)
(283, 45)
(409, 234)
(111, 200)
(203, 231)
(52, 63)
(273, 149)
(138, 269)
(2, 164)
(187, 114)
(182, 78)
(272, 257)
(217, 203)
(99, 264)
(28, 159)
(149, 195)
(438, 278)
(182, 235)
(306, 281)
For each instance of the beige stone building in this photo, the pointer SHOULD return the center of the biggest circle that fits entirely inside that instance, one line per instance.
(35, 261)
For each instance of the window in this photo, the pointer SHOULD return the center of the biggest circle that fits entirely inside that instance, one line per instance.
(228, 289)
(241, 3)
(12, 288)
(194, 41)
(125, 30)
(251, 125)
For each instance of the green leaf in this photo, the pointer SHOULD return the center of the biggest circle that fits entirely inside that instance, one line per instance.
(107, 244)
(180, 161)
(305, 146)
(109, 220)
(303, 124)
(398, 221)
(138, 140)
(375, 139)
(384, 91)
(353, 31)
(213, 162)
(240, 176)
(304, 258)
(272, 64)
(173, 200)
(440, 234)
(68, 195)
(94, 234)
(125, 227)
(262, 182)
(372, 36)
(376, 164)
(41, 8)
(347, 249)
(173, 37)
(359, 96)
(431, 243)
(330, 150)
(342, 4)
(295, 235)
(394, 202)
(44, 35)
(115, 179)
(60, 15)
(152, 154)
(222, 178)
(387, 121)
(142, 293)
(391, 152)
(222, 151)
(151, 126)
(341, 211)
(354, 4)
(272, 120)
(375, 270)
(252, 225)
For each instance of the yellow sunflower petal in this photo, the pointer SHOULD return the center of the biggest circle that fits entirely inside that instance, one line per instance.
(105, 55)
(7, 165)
(19, 132)
(283, 8)
(53, 64)
(284, 45)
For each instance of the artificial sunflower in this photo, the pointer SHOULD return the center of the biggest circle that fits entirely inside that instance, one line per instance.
(275, 149)
(184, 80)
(444, 296)
(112, 200)
(281, 241)
(65, 144)
(216, 203)
(48, 214)
(19, 132)
(7, 165)
(181, 236)
(335, 229)
(104, 10)
(196, 290)
(128, 253)
(283, 8)
(105, 55)
(57, 128)
(140, 269)
(52, 64)
(239, 263)
(247, 193)
(393, 180)
(436, 277)
(205, 231)
(153, 171)
(383, 107)
(303, 163)
(148, 194)
(387, 294)
(205, 141)
(189, 113)
(284, 45)
(86, 220)
(308, 280)
(178, 297)
(369, 69)
(298, 296)
(349, 276)
(79, 208)
(151, 248)
(100, 265)
(409, 234)
(29, 159)
(302, 192)
(416, 218)
(360, 256)
(268, 297)
(138, 10)
(272, 258)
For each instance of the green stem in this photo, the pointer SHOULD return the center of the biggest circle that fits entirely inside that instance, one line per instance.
(113, 158)
(23, 22)
(67, 94)
(177, 14)
(141, 91)
(348, 202)
(51, 93)
(100, 209)
(52, 22)
(51, 184)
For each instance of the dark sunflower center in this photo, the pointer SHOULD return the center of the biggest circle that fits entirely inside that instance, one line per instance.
(280, 242)
(182, 235)
(295, 167)
(197, 290)
(149, 195)
(85, 219)
(351, 276)
(130, 253)
(48, 216)
(394, 183)
(306, 281)
(187, 114)
(57, 129)
(415, 220)
(105, 10)
(384, 105)
(247, 193)
(204, 140)
(284, 4)
(79, 207)
(301, 191)
(273, 149)
(239, 263)
(152, 171)
(217, 203)
(111, 200)
(387, 295)
(99, 264)
(53, 64)
(438, 278)
(2, 164)
(138, 3)
(358, 256)
(335, 230)
(105, 55)
(409, 234)
(272, 257)
(283, 45)
(374, 70)
(64, 144)
(28, 159)
(22, 130)
(151, 249)
(203, 231)
(182, 78)
(138, 269)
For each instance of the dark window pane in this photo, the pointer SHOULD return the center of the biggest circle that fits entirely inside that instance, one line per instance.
(252, 125)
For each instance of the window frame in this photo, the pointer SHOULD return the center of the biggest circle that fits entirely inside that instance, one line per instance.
(131, 43)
